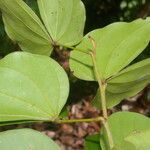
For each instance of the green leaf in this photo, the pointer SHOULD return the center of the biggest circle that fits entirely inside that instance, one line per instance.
(24, 27)
(26, 139)
(127, 146)
(116, 46)
(32, 87)
(64, 113)
(125, 87)
(6, 45)
(122, 124)
(135, 72)
(33, 5)
(127, 41)
(126, 83)
(82, 67)
(64, 20)
(115, 98)
(92, 142)
(140, 139)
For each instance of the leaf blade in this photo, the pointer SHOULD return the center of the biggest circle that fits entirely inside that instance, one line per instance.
(113, 99)
(24, 27)
(26, 139)
(65, 28)
(140, 139)
(112, 55)
(92, 142)
(123, 124)
(135, 72)
(28, 92)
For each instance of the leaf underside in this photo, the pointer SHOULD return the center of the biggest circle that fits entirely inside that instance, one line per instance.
(24, 27)
(122, 125)
(32, 88)
(26, 139)
(140, 139)
(64, 20)
(127, 83)
(116, 46)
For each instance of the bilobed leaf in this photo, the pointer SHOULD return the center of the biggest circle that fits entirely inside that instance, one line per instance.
(32, 88)
(26, 139)
(116, 46)
(140, 139)
(125, 87)
(92, 142)
(126, 83)
(24, 27)
(135, 72)
(123, 124)
(115, 98)
(64, 20)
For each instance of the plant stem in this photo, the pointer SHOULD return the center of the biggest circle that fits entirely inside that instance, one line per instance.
(109, 135)
(102, 86)
(103, 98)
(98, 119)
